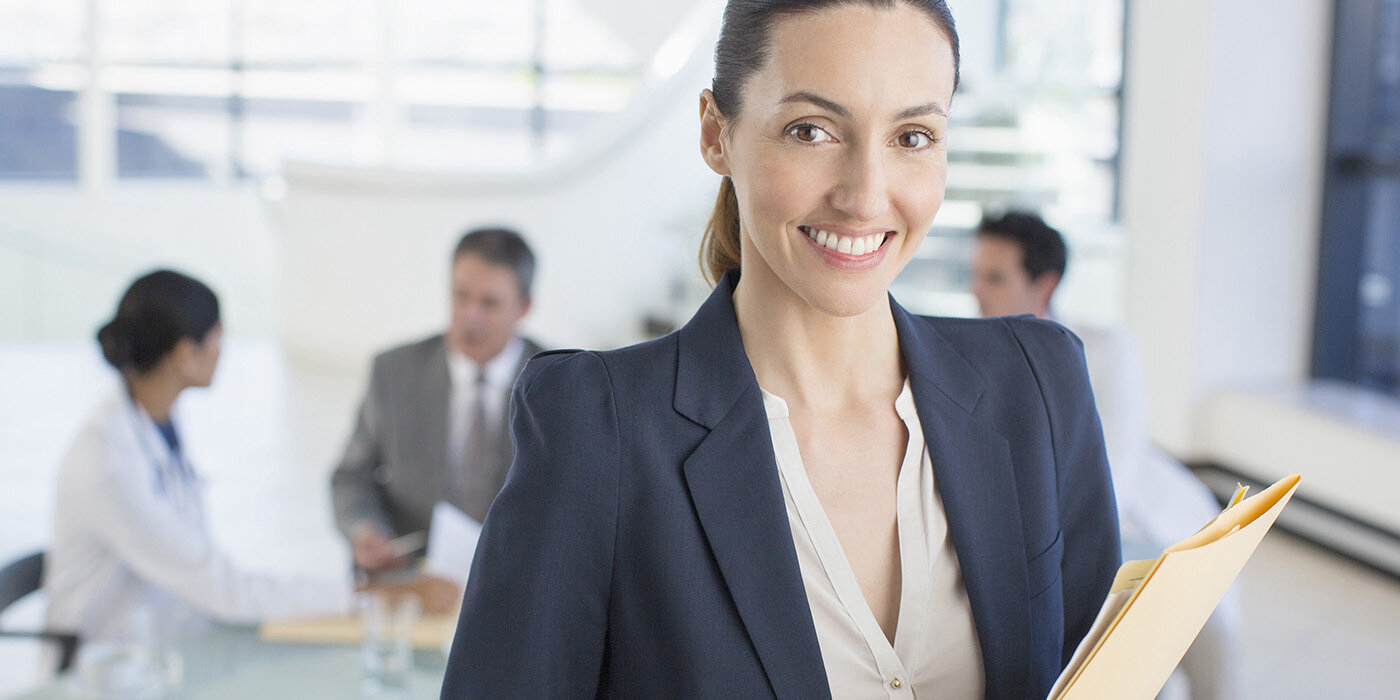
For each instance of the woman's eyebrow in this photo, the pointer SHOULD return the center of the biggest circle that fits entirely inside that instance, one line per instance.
(840, 111)
(922, 111)
(818, 100)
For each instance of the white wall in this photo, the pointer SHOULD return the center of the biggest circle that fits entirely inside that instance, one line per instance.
(366, 252)
(67, 254)
(1225, 124)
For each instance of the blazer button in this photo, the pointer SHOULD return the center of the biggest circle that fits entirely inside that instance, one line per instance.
(895, 684)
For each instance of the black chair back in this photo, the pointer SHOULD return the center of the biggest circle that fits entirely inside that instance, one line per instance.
(17, 580)
(20, 578)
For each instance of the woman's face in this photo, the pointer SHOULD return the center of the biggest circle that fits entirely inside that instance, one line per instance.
(838, 156)
(202, 358)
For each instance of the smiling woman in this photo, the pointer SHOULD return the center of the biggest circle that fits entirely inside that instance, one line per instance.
(806, 491)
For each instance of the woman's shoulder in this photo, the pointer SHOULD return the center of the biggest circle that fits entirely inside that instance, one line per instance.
(982, 338)
(97, 449)
(621, 366)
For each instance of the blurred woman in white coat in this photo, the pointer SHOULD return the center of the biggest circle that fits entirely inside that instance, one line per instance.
(131, 555)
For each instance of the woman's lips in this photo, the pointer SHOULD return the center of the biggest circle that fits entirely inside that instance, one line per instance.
(845, 251)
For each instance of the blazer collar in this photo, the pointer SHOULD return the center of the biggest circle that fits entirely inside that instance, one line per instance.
(713, 371)
(733, 481)
(928, 357)
(435, 383)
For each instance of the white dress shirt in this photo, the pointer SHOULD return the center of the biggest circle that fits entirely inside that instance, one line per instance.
(500, 375)
(1159, 500)
(935, 652)
(131, 557)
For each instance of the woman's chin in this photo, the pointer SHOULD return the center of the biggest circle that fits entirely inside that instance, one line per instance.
(848, 300)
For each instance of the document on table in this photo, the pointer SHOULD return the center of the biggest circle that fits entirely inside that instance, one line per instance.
(451, 543)
(1157, 606)
(428, 633)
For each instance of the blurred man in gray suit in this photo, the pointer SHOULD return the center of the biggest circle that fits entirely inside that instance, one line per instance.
(433, 425)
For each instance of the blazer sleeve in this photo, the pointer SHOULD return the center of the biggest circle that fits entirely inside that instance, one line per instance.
(1087, 512)
(534, 616)
(355, 494)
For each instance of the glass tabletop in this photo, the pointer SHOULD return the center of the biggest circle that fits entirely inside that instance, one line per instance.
(232, 663)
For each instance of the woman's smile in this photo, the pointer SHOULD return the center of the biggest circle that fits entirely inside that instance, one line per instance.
(846, 249)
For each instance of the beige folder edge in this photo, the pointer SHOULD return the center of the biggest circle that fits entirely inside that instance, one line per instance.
(1157, 606)
(431, 632)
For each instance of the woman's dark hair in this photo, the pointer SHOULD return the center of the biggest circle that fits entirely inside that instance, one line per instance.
(157, 311)
(744, 45)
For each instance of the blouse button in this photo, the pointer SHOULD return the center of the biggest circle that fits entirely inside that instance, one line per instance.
(895, 684)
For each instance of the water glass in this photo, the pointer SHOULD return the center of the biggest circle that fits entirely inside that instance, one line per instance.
(388, 620)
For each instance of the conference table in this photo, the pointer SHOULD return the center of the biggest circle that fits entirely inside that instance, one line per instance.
(232, 663)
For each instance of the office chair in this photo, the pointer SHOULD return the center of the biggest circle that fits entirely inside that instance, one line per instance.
(17, 580)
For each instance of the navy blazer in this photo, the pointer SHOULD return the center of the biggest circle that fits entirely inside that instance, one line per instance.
(641, 546)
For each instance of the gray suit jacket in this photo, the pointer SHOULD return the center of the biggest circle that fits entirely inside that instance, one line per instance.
(395, 467)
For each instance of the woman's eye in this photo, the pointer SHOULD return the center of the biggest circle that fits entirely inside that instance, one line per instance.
(809, 133)
(915, 140)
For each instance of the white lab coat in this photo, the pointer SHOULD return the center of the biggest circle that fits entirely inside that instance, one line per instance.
(131, 557)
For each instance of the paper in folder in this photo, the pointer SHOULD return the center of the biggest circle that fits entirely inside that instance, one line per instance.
(1156, 607)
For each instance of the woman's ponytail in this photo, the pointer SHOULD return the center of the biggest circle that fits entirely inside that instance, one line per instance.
(719, 249)
(116, 342)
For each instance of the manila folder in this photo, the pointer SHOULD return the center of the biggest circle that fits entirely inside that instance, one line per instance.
(1157, 607)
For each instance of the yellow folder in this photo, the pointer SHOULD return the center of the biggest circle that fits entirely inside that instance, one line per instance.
(1156, 607)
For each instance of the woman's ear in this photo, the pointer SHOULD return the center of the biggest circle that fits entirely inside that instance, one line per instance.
(712, 134)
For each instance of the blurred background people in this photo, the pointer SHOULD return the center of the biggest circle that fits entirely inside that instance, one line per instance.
(432, 425)
(131, 554)
(1018, 263)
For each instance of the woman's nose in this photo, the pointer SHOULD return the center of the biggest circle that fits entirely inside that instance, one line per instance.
(862, 188)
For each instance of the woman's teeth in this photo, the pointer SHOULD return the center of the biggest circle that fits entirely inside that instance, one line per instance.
(845, 244)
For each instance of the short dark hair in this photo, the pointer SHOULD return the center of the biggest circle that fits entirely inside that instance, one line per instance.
(501, 246)
(1042, 247)
(159, 310)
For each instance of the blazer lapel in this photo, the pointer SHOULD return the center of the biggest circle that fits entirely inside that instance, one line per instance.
(437, 389)
(733, 481)
(973, 471)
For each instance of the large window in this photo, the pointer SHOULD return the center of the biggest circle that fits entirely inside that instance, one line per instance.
(1356, 332)
(42, 54)
(226, 89)
(1035, 125)
(222, 90)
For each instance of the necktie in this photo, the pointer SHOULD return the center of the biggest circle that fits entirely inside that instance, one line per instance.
(477, 451)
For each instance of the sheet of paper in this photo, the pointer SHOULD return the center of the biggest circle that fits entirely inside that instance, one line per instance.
(1102, 622)
(451, 543)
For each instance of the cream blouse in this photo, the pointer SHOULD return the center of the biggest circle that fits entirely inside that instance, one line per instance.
(935, 652)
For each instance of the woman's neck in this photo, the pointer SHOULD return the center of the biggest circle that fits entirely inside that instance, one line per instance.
(813, 358)
(155, 392)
